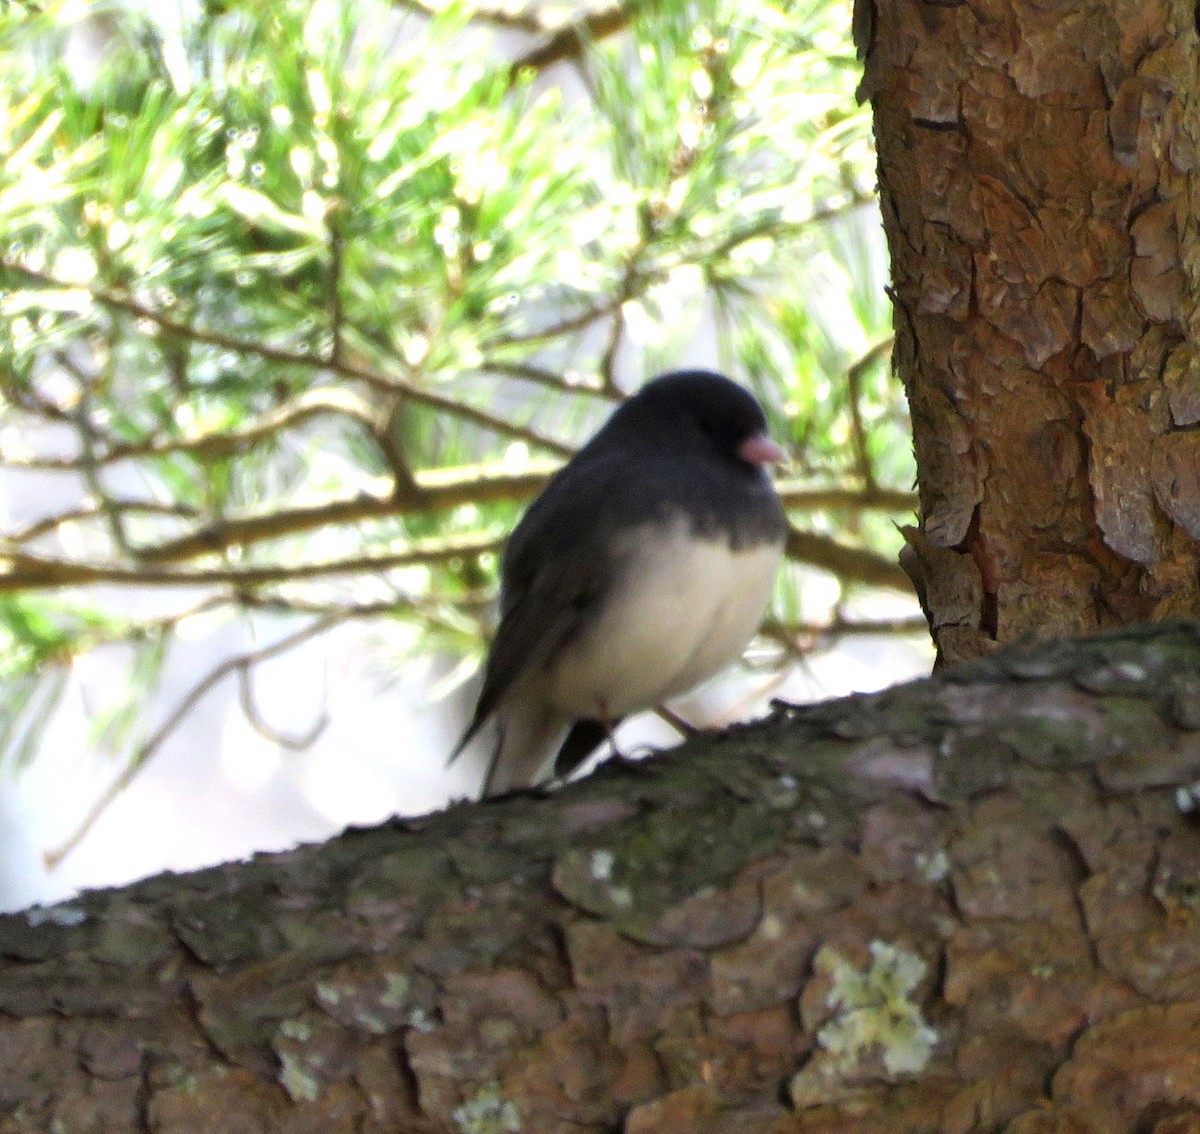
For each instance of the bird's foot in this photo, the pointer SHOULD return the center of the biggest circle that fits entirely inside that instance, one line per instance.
(684, 728)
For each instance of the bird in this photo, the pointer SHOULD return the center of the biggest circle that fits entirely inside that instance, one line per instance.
(642, 569)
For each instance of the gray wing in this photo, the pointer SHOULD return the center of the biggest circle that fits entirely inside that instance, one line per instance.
(558, 569)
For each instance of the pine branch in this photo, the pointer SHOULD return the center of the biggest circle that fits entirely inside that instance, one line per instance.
(801, 499)
(569, 43)
(527, 372)
(322, 401)
(388, 384)
(24, 571)
(804, 637)
(438, 491)
(500, 17)
(50, 524)
(850, 564)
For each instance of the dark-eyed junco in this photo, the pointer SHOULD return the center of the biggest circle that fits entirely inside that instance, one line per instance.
(642, 569)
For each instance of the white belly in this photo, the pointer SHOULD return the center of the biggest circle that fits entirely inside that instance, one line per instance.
(686, 609)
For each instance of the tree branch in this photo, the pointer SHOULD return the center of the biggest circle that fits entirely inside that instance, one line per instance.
(332, 400)
(95, 512)
(804, 637)
(296, 742)
(23, 571)
(391, 385)
(527, 372)
(440, 490)
(967, 903)
(501, 17)
(571, 41)
(852, 564)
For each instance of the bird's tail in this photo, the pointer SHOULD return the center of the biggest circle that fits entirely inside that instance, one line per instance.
(527, 738)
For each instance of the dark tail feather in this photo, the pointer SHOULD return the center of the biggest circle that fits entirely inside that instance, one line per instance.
(583, 739)
(477, 722)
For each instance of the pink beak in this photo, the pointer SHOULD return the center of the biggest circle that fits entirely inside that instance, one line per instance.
(760, 450)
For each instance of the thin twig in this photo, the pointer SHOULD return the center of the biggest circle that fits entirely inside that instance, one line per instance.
(577, 322)
(332, 401)
(334, 284)
(144, 751)
(440, 490)
(526, 372)
(798, 497)
(114, 519)
(501, 17)
(863, 465)
(781, 232)
(297, 742)
(616, 329)
(571, 41)
(426, 606)
(419, 394)
(50, 524)
(803, 637)
(23, 571)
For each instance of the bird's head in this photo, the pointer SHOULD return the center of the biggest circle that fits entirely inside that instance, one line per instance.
(701, 411)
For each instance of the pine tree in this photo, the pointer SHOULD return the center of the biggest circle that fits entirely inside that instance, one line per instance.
(302, 302)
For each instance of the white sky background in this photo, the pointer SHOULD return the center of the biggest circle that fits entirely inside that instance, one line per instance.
(219, 790)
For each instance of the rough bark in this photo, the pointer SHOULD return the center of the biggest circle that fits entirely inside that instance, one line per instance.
(1037, 161)
(966, 904)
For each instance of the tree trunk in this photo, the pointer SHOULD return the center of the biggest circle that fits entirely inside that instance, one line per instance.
(967, 904)
(1037, 162)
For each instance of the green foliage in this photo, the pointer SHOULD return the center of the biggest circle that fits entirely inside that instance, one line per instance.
(288, 255)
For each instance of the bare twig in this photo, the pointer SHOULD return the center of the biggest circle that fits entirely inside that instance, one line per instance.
(144, 751)
(440, 490)
(779, 231)
(297, 742)
(580, 321)
(97, 511)
(616, 329)
(35, 403)
(23, 571)
(114, 518)
(864, 466)
(425, 605)
(501, 17)
(804, 637)
(852, 564)
(799, 498)
(390, 439)
(527, 372)
(571, 41)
